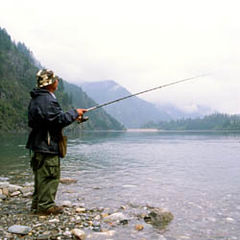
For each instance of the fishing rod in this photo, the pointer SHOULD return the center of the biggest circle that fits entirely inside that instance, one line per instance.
(81, 119)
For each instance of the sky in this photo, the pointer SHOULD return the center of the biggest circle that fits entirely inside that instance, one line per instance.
(140, 44)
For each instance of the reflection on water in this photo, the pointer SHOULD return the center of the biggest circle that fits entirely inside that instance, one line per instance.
(194, 175)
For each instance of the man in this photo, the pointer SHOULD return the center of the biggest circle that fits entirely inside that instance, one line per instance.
(47, 120)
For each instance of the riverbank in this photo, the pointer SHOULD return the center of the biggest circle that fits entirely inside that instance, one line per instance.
(77, 222)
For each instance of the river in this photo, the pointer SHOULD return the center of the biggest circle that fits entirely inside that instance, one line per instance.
(195, 175)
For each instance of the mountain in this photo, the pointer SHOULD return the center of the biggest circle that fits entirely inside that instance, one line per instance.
(18, 68)
(132, 113)
(98, 119)
(175, 113)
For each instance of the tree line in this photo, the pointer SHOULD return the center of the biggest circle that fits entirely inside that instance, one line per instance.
(216, 121)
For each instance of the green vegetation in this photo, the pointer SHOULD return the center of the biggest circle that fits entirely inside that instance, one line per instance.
(18, 68)
(215, 121)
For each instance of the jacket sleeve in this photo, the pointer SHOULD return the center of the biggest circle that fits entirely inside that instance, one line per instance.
(59, 119)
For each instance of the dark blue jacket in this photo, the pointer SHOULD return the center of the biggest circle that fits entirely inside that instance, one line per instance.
(47, 120)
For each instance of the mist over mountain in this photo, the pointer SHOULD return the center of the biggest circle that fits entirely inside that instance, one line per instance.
(175, 113)
(133, 112)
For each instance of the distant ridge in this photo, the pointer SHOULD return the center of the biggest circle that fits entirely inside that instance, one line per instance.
(133, 112)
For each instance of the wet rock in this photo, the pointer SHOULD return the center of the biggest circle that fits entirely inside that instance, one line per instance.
(96, 229)
(67, 233)
(67, 204)
(13, 188)
(27, 195)
(123, 207)
(159, 217)
(115, 217)
(3, 197)
(139, 227)
(5, 191)
(43, 236)
(124, 222)
(229, 219)
(80, 210)
(4, 184)
(98, 217)
(54, 220)
(79, 234)
(67, 180)
(25, 190)
(19, 229)
(14, 194)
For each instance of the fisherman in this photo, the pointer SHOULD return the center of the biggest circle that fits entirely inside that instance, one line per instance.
(47, 120)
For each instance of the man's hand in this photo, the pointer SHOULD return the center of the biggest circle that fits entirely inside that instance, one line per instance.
(80, 118)
(81, 111)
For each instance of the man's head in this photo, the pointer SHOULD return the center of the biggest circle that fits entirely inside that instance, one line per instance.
(47, 79)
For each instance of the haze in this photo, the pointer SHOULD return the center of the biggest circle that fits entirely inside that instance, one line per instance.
(139, 44)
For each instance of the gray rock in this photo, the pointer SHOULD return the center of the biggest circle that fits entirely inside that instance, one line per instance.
(14, 194)
(67, 203)
(4, 184)
(159, 217)
(25, 190)
(27, 195)
(115, 217)
(81, 235)
(14, 188)
(3, 197)
(5, 191)
(19, 229)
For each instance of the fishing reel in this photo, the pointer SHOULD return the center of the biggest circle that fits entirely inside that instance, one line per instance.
(81, 119)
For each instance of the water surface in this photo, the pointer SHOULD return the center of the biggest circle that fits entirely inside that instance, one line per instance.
(194, 175)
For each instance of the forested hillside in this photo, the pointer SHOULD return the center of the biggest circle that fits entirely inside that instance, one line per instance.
(17, 77)
(98, 119)
(215, 121)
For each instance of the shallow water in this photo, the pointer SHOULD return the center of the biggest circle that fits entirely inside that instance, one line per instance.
(194, 175)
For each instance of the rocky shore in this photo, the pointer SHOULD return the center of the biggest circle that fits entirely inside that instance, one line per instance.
(77, 222)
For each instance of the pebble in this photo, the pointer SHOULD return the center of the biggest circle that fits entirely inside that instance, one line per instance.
(19, 229)
(67, 180)
(80, 210)
(75, 217)
(98, 217)
(3, 197)
(66, 203)
(139, 227)
(228, 219)
(4, 184)
(54, 220)
(14, 194)
(14, 188)
(115, 217)
(5, 191)
(80, 234)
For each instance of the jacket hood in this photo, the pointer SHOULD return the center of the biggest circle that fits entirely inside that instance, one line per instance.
(38, 92)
